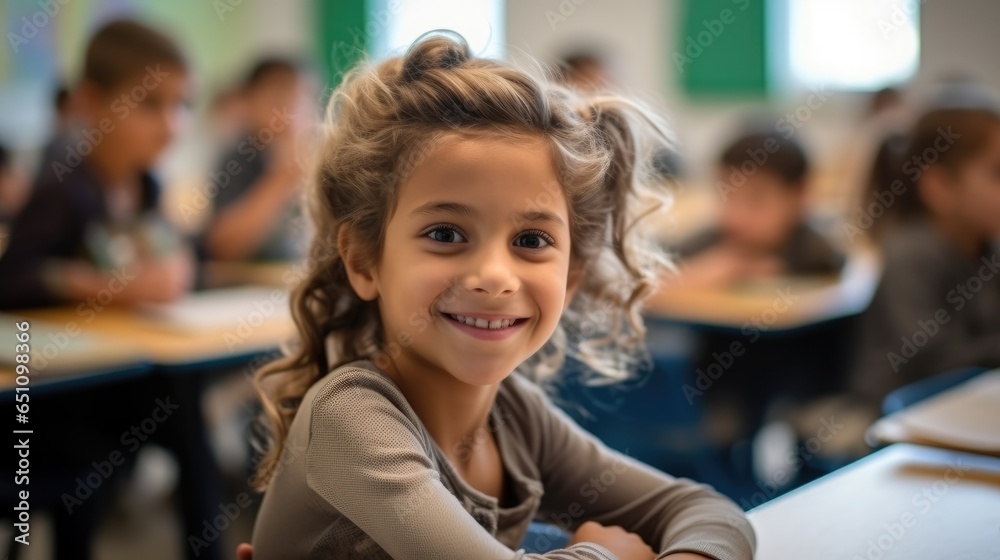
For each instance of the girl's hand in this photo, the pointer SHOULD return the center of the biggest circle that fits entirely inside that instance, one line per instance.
(621, 543)
(244, 552)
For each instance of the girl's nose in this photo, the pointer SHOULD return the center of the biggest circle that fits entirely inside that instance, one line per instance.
(491, 272)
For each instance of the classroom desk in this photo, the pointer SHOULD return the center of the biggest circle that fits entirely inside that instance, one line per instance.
(184, 343)
(964, 418)
(780, 304)
(903, 502)
(223, 274)
(259, 324)
(65, 358)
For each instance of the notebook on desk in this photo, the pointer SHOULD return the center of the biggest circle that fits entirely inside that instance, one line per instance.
(966, 418)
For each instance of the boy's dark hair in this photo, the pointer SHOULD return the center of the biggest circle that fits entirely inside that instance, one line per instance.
(771, 152)
(4, 157)
(267, 67)
(124, 49)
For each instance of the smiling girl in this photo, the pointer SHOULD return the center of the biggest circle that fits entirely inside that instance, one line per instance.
(472, 220)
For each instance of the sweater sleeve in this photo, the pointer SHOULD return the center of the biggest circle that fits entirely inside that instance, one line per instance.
(46, 228)
(370, 462)
(586, 481)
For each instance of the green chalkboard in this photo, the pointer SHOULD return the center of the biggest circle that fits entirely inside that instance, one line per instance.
(721, 48)
(342, 36)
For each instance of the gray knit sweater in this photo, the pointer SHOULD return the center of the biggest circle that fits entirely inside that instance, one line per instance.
(362, 478)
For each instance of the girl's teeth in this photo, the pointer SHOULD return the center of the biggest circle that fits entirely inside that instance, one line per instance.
(483, 323)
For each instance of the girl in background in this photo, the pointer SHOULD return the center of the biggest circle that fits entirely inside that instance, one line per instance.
(936, 306)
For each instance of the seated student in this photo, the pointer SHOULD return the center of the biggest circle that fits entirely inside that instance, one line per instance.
(763, 230)
(92, 224)
(937, 306)
(405, 425)
(256, 207)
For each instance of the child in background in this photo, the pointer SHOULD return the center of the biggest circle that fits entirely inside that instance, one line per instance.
(937, 306)
(92, 225)
(763, 231)
(471, 219)
(259, 178)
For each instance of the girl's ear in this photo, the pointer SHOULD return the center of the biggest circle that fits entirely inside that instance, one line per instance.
(360, 272)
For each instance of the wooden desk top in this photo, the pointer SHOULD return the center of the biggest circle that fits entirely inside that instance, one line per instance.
(222, 274)
(780, 304)
(59, 349)
(258, 323)
(904, 502)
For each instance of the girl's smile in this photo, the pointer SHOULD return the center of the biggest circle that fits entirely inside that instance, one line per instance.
(485, 326)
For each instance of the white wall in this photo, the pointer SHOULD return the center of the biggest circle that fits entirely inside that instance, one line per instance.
(960, 37)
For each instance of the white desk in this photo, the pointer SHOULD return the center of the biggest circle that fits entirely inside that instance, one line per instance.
(903, 502)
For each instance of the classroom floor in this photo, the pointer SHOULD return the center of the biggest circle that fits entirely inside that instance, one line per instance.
(153, 535)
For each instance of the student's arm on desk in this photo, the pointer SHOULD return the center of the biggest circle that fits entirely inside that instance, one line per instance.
(674, 516)
(721, 266)
(152, 281)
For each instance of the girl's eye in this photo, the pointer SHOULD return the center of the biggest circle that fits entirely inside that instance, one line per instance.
(533, 240)
(445, 234)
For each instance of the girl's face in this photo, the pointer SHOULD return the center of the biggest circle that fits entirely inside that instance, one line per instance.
(474, 271)
(977, 196)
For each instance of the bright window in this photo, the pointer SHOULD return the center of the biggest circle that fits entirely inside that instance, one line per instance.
(852, 44)
(399, 22)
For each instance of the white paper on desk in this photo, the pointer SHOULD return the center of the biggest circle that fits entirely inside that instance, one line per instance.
(966, 417)
(219, 309)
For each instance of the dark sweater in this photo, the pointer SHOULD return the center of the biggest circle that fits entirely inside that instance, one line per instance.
(54, 224)
(934, 310)
(805, 252)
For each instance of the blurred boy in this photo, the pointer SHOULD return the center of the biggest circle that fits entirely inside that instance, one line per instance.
(763, 230)
(258, 179)
(91, 231)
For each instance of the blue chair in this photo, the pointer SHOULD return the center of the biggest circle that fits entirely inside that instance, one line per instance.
(543, 537)
(647, 417)
(913, 393)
